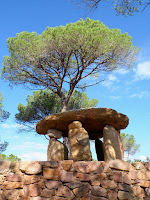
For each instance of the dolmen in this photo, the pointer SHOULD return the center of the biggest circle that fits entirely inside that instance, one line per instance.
(83, 125)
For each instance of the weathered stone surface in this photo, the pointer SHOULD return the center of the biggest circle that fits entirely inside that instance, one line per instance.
(56, 150)
(10, 194)
(112, 195)
(93, 120)
(147, 164)
(23, 165)
(53, 174)
(74, 125)
(138, 166)
(147, 191)
(33, 168)
(120, 164)
(51, 164)
(98, 198)
(82, 190)
(53, 184)
(99, 150)
(54, 133)
(4, 166)
(15, 166)
(29, 179)
(143, 175)
(66, 164)
(14, 178)
(32, 190)
(138, 191)
(112, 148)
(124, 187)
(122, 195)
(47, 193)
(108, 184)
(99, 191)
(64, 191)
(79, 145)
(12, 185)
(83, 177)
(67, 176)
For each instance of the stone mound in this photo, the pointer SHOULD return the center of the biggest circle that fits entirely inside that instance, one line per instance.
(93, 120)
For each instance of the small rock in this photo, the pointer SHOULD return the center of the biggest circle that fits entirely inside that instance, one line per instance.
(32, 190)
(75, 124)
(4, 166)
(54, 133)
(64, 191)
(52, 174)
(33, 168)
(99, 191)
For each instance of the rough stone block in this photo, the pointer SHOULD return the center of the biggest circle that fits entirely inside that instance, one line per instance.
(66, 164)
(79, 144)
(56, 150)
(32, 190)
(82, 190)
(29, 179)
(53, 174)
(4, 166)
(12, 185)
(120, 165)
(64, 191)
(112, 146)
(33, 168)
(67, 176)
(98, 191)
(47, 193)
(108, 184)
(54, 133)
(83, 177)
(53, 184)
(14, 178)
(74, 125)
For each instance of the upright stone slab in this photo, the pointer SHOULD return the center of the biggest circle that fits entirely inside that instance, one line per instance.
(112, 147)
(56, 150)
(79, 142)
(99, 150)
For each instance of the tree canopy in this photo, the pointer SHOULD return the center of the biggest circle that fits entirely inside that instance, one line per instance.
(3, 114)
(129, 144)
(65, 56)
(123, 7)
(11, 157)
(44, 102)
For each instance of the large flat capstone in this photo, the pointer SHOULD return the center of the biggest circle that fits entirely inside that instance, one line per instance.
(93, 120)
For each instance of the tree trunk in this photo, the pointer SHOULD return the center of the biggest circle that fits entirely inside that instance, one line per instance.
(65, 139)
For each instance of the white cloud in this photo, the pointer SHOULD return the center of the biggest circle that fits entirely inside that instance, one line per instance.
(110, 81)
(140, 95)
(143, 71)
(30, 146)
(32, 156)
(122, 71)
(115, 97)
(10, 126)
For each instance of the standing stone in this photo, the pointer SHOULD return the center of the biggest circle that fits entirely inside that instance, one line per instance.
(79, 142)
(99, 150)
(112, 148)
(56, 151)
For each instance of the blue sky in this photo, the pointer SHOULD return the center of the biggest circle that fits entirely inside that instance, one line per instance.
(127, 92)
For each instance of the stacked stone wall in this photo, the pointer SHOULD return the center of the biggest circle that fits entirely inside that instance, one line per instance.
(60, 180)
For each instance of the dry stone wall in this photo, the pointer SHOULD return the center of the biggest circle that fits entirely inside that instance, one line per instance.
(60, 180)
